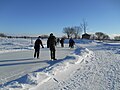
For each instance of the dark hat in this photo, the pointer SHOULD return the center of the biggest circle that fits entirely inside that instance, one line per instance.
(51, 34)
(39, 36)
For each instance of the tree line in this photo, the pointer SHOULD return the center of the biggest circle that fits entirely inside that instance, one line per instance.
(76, 32)
(25, 37)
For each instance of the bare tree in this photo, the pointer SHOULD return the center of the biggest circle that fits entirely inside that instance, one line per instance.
(117, 37)
(77, 31)
(66, 31)
(106, 37)
(84, 26)
(101, 36)
(70, 31)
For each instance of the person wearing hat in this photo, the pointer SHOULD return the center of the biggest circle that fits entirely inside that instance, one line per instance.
(51, 43)
(37, 44)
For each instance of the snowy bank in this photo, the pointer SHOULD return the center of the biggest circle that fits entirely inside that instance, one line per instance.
(92, 65)
(39, 77)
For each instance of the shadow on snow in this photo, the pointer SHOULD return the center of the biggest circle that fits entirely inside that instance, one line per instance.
(20, 63)
(23, 79)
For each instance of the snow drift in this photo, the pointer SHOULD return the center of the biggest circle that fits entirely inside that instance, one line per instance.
(41, 76)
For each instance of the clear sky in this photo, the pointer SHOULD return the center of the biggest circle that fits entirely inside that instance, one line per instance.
(46, 16)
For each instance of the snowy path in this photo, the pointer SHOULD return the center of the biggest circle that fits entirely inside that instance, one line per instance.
(16, 64)
(91, 65)
(98, 74)
(101, 71)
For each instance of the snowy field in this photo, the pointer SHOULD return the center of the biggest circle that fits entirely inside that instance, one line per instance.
(91, 65)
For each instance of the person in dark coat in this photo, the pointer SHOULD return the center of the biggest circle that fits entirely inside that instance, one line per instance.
(62, 42)
(58, 40)
(71, 43)
(37, 44)
(51, 44)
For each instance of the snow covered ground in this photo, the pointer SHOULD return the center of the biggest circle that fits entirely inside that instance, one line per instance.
(91, 65)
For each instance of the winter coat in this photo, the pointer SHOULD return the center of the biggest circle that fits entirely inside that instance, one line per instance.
(51, 42)
(37, 44)
(62, 41)
(71, 43)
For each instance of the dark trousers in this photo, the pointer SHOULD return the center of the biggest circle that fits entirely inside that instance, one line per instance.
(52, 52)
(62, 45)
(71, 45)
(37, 50)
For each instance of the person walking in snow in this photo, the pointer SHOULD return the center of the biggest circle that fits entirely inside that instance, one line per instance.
(37, 44)
(58, 41)
(71, 43)
(51, 43)
(62, 42)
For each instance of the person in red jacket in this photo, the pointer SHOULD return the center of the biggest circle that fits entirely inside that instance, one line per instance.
(37, 44)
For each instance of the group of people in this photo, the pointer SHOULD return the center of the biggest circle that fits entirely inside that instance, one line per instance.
(51, 43)
(61, 41)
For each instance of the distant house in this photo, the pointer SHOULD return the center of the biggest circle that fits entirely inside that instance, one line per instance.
(86, 36)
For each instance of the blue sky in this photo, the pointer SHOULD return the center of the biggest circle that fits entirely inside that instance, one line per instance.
(45, 16)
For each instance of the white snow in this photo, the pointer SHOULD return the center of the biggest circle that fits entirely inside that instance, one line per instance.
(91, 65)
